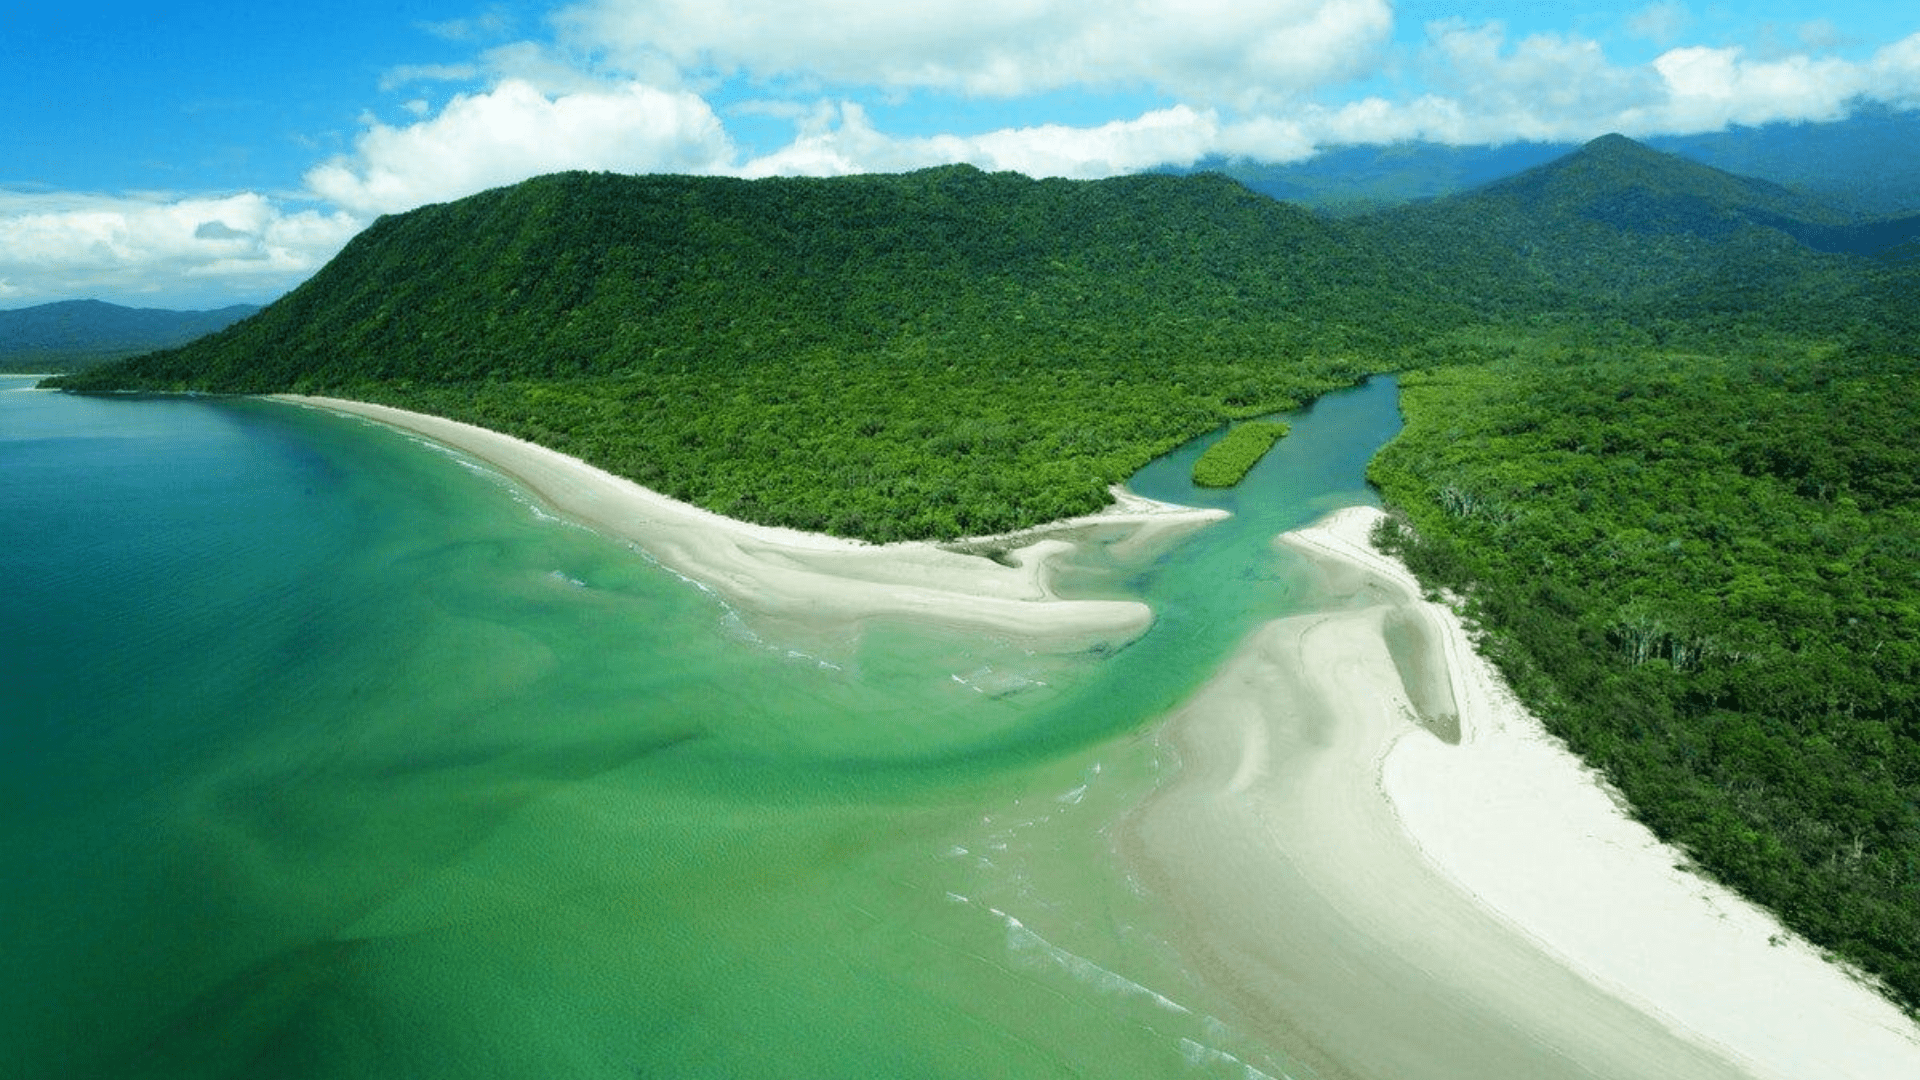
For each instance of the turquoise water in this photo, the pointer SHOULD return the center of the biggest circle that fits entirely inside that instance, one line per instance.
(329, 754)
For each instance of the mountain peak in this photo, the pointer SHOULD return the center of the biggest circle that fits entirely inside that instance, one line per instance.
(1616, 181)
(1614, 143)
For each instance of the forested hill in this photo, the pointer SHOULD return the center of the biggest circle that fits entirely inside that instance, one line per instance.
(595, 274)
(1619, 232)
(949, 351)
(77, 333)
(1616, 181)
(931, 354)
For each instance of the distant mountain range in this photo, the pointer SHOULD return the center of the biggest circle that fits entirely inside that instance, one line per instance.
(1863, 167)
(74, 334)
(1620, 231)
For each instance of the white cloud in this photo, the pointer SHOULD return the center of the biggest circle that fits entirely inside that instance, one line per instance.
(1204, 52)
(1488, 90)
(550, 70)
(841, 139)
(515, 131)
(173, 250)
(1660, 23)
(1544, 76)
(1894, 73)
(1225, 77)
(1708, 89)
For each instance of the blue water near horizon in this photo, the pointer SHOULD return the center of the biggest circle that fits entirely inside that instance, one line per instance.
(328, 754)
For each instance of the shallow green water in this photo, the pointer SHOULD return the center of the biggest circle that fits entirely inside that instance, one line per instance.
(326, 753)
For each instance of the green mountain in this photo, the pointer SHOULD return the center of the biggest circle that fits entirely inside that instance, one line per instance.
(1623, 234)
(937, 353)
(1616, 181)
(78, 333)
(581, 274)
(1634, 188)
(949, 351)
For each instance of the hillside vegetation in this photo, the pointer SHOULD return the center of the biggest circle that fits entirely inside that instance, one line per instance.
(1657, 434)
(935, 354)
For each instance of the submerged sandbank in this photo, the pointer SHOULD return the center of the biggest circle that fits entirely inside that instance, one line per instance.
(1385, 904)
(789, 574)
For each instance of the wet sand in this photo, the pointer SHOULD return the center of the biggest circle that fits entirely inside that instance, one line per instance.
(824, 580)
(1387, 905)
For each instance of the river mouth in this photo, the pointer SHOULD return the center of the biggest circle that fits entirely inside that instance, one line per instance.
(344, 756)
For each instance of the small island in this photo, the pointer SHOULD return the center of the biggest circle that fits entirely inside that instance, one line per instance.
(1226, 462)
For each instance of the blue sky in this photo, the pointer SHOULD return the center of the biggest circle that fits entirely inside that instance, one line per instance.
(196, 154)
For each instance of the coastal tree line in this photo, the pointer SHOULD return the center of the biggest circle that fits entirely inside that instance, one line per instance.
(1702, 572)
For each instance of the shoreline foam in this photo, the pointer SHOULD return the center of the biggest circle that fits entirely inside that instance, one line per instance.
(1401, 907)
(790, 574)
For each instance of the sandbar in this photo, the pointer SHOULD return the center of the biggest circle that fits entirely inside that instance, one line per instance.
(1390, 890)
(823, 580)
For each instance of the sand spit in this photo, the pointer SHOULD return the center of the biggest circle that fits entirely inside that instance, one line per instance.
(1385, 904)
(824, 580)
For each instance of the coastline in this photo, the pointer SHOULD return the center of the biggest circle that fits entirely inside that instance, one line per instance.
(1378, 901)
(1404, 907)
(790, 574)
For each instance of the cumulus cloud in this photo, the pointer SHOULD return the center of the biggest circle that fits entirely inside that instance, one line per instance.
(1708, 89)
(838, 139)
(515, 131)
(1529, 89)
(1488, 89)
(1203, 52)
(174, 250)
(1894, 73)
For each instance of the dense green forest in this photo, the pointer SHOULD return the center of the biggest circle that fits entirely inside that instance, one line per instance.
(1657, 422)
(929, 355)
(1704, 573)
(948, 351)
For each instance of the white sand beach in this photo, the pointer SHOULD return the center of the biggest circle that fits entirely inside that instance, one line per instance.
(1399, 907)
(1378, 857)
(789, 574)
